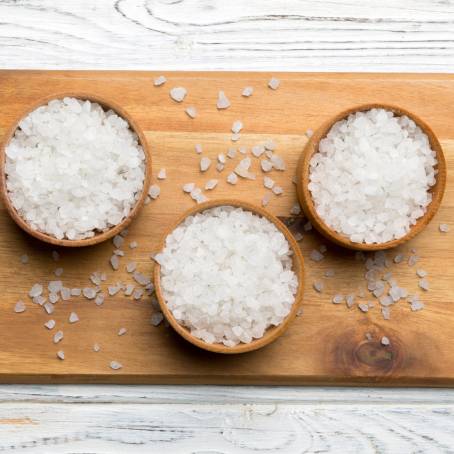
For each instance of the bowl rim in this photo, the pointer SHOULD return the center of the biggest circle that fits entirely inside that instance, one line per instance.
(272, 333)
(311, 147)
(106, 104)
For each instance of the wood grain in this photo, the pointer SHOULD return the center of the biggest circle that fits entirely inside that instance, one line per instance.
(293, 35)
(325, 346)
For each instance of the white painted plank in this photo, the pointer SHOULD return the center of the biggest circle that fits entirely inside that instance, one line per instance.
(340, 35)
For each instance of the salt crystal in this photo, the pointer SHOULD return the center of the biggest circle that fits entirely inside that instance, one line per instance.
(188, 187)
(235, 137)
(89, 293)
(223, 102)
(160, 80)
(36, 290)
(55, 256)
(55, 286)
(398, 258)
(257, 150)
(444, 228)
(115, 365)
(421, 273)
(205, 164)
(58, 337)
(113, 289)
(58, 272)
(73, 317)
(412, 260)
(266, 165)
(162, 174)
(268, 182)
(220, 167)
(232, 178)
(274, 83)
(385, 341)
(278, 162)
(129, 289)
(19, 307)
(298, 236)
(308, 226)
(309, 133)
(131, 267)
(122, 331)
(237, 126)
(178, 93)
(154, 191)
(61, 355)
(386, 312)
(266, 199)
(141, 278)
(191, 111)
(138, 293)
(424, 284)
(24, 258)
(99, 300)
(338, 299)
(50, 324)
(96, 348)
(65, 293)
(329, 273)
(114, 262)
(296, 209)
(350, 300)
(277, 190)
(231, 153)
(270, 145)
(316, 256)
(49, 308)
(211, 184)
(318, 286)
(247, 91)
(156, 318)
(198, 148)
(363, 307)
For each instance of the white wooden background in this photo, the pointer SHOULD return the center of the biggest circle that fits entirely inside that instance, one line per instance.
(294, 35)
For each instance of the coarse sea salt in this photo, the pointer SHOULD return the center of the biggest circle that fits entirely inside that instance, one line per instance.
(73, 169)
(371, 177)
(226, 274)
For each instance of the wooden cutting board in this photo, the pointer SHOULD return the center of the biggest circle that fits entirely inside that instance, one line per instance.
(327, 344)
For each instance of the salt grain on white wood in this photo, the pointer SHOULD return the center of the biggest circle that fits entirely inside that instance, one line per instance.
(178, 93)
(350, 300)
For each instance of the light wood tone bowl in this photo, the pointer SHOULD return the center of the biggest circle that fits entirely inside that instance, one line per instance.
(271, 333)
(305, 197)
(101, 236)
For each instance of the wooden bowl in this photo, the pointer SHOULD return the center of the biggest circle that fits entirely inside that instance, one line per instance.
(101, 236)
(271, 333)
(307, 203)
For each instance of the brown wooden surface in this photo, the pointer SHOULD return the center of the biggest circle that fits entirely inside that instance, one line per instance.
(327, 344)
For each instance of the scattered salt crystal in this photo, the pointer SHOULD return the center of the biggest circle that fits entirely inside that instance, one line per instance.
(36, 290)
(237, 126)
(257, 150)
(65, 293)
(58, 272)
(308, 226)
(274, 83)
(309, 133)
(19, 307)
(369, 337)
(329, 273)
(322, 248)
(299, 312)
(385, 341)
(242, 169)
(99, 300)
(119, 252)
(386, 312)
(160, 80)
(24, 258)
(278, 162)
(129, 289)
(270, 145)
(296, 209)
(188, 187)
(118, 241)
(156, 318)
(205, 164)
(191, 111)
(247, 91)
(363, 307)
(424, 284)
(115, 365)
(211, 184)
(350, 300)
(124, 232)
(223, 102)
(58, 337)
(141, 278)
(178, 93)
(372, 166)
(89, 293)
(50, 324)
(231, 153)
(232, 178)
(412, 260)
(266, 199)
(444, 228)
(154, 191)
(385, 300)
(277, 190)
(122, 331)
(55, 256)
(316, 256)
(162, 174)
(55, 286)
(298, 236)
(113, 289)
(73, 317)
(96, 348)
(131, 267)
(61, 355)
(220, 167)
(235, 137)
(198, 148)
(318, 286)
(338, 299)
(266, 165)
(268, 182)
(114, 262)
(49, 308)
(398, 258)
(138, 293)
(421, 273)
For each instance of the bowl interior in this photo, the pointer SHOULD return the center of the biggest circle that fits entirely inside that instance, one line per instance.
(305, 197)
(99, 236)
(271, 333)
